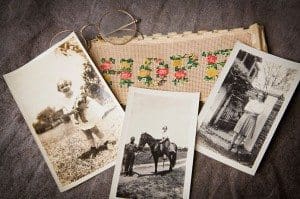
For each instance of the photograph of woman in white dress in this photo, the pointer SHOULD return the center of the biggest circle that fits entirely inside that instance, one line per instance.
(242, 112)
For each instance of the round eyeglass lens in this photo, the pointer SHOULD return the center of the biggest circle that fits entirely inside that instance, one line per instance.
(117, 27)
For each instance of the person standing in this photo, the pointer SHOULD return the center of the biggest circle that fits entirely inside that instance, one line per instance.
(86, 114)
(130, 150)
(246, 124)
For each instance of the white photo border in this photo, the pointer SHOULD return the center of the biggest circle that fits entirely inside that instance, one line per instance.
(191, 140)
(240, 46)
(8, 80)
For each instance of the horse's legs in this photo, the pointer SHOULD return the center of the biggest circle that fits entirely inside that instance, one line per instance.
(155, 163)
(170, 160)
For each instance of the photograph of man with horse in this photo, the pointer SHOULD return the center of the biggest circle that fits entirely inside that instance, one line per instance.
(162, 123)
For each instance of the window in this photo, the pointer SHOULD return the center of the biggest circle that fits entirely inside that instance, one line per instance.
(241, 55)
(249, 61)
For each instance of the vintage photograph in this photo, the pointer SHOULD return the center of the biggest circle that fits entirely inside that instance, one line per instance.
(241, 114)
(71, 112)
(155, 156)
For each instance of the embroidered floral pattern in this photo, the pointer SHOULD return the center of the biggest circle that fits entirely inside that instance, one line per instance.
(180, 76)
(162, 71)
(126, 72)
(214, 65)
(192, 61)
(155, 71)
(106, 70)
(144, 74)
(181, 64)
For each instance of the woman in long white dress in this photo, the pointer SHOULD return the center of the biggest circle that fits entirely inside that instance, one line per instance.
(246, 125)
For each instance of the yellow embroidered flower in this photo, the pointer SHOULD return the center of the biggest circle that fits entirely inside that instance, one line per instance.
(107, 77)
(125, 65)
(177, 63)
(212, 72)
(193, 56)
(144, 73)
(147, 62)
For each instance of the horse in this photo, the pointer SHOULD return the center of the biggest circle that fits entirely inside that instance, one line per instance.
(169, 149)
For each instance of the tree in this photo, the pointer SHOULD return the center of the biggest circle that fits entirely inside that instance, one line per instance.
(92, 83)
(274, 77)
(46, 115)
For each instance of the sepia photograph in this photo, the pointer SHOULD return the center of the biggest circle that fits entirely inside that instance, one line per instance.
(155, 156)
(241, 114)
(71, 112)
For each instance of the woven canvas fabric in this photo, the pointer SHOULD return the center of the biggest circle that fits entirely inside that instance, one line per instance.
(187, 62)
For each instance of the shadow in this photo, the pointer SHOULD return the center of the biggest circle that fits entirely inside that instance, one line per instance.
(161, 173)
(92, 153)
(130, 175)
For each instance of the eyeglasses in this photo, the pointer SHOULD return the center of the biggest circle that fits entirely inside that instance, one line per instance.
(117, 27)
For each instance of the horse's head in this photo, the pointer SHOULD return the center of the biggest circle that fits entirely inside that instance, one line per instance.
(143, 140)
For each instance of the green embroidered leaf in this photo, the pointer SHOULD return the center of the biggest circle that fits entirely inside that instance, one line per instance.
(221, 64)
(130, 60)
(112, 60)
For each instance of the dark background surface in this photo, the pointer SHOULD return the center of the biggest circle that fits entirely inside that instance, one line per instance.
(26, 28)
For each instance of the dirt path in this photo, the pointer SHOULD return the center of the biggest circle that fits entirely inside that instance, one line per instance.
(148, 169)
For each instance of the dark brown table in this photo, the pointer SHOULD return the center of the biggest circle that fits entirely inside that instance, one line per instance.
(26, 28)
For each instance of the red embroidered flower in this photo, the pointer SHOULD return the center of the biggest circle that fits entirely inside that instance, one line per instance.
(162, 72)
(105, 66)
(180, 74)
(125, 75)
(211, 59)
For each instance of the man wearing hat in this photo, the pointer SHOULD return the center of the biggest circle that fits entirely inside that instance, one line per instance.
(130, 150)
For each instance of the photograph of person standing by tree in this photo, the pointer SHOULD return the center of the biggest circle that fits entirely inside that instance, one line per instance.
(241, 114)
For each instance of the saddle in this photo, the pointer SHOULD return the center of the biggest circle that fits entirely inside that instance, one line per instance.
(159, 146)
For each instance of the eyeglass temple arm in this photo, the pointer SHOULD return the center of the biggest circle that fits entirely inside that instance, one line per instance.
(122, 27)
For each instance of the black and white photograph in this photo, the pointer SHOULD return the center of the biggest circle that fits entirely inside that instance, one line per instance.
(155, 156)
(238, 120)
(71, 112)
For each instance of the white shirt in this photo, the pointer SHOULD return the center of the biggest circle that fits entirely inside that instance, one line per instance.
(255, 106)
(165, 134)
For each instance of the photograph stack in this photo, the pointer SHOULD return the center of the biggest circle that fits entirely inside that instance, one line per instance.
(82, 130)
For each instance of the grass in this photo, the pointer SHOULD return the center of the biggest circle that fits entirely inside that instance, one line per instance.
(168, 185)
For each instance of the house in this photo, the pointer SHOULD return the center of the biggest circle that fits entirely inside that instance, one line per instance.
(233, 95)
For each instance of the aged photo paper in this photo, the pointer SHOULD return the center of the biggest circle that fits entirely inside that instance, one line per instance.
(155, 156)
(71, 112)
(239, 119)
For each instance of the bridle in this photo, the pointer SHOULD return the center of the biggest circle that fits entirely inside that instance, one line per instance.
(142, 141)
